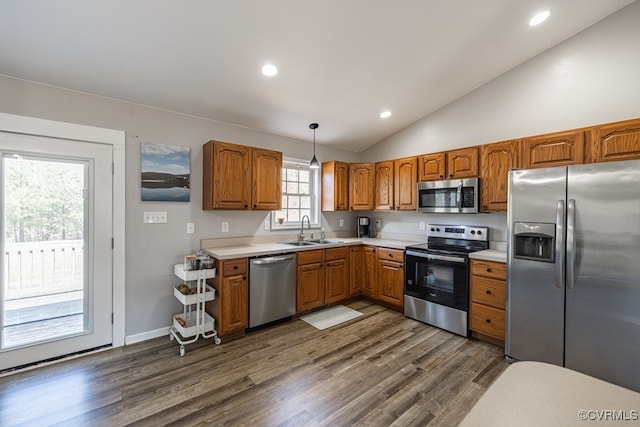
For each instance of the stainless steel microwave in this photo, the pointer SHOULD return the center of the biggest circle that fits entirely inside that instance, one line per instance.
(448, 196)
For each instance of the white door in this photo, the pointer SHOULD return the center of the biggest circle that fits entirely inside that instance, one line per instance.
(56, 222)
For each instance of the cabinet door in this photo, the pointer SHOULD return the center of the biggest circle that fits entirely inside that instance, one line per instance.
(235, 297)
(370, 285)
(558, 149)
(384, 186)
(337, 280)
(431, 167)
(310, 289)
(391, 281)
(405, 172)
(361, 186)
(335, 186)
(462, 163)
(495, 161)
(615, 141)
(226, 176)
(267, 179)
(356, 270)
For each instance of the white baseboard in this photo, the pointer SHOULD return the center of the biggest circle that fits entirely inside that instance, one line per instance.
(143, 336)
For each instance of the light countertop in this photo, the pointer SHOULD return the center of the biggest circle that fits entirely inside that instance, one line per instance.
(259, 249)
(490, 255)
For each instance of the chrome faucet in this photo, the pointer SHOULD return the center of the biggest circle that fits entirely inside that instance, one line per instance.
(301, 236)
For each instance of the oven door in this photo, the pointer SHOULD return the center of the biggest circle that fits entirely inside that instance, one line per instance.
(439, 278)
(450, 196)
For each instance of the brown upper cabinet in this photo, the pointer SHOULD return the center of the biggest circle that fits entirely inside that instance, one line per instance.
(240, 177)
(615, 141)
(361, 186)
(431, 167)
(267, 179)
(495, 161)
(555, 149)
(335, 186)
(384, 200)
(461, 163)
(405, 174)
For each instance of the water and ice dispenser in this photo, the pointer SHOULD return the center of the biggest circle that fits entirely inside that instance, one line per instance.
(534, 241)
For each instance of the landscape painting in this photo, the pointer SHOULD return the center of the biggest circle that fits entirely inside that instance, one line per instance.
(165, 173)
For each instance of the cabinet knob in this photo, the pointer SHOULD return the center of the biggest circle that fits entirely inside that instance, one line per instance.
(487, 320)
(235, 267)
(390, 255)
(246, 206)
(488, 292)
(441, 176)
(489, 270)
(450, 175)
(255, 206)
(244, 277)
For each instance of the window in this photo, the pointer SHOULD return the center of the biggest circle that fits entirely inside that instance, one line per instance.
(300, 196)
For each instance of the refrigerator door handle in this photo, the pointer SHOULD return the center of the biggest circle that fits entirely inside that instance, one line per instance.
(571, 242)
(560, 216)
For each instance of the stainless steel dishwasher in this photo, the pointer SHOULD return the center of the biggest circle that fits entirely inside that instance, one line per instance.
(272, 288)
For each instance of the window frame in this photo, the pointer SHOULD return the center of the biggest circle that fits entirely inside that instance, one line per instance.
(315, 214)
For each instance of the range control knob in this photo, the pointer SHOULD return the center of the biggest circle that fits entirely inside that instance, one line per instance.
(433, 229)
(479, 232)
(437, 229)
(474, 232)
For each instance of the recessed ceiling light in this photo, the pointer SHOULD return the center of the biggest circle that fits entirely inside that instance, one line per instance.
(385, 114)
(269, 70)
(539, 18)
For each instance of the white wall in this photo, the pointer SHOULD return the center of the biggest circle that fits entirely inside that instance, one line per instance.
(592, 78)
(152, 249)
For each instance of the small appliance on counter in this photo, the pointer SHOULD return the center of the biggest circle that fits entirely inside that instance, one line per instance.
(363, 224)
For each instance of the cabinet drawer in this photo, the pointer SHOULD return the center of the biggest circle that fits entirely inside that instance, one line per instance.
(336, 253)
(234, 266)
(487, 320)
(396, 255)
(490, 269)
(488, 291)
(308, 257)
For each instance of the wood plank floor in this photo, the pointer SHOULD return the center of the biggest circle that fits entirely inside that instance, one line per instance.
(380, 369)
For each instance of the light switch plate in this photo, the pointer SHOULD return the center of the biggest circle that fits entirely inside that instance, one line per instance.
(341, 222)
(422, 225)
(225, 227)
(155, 217)
(190, 228)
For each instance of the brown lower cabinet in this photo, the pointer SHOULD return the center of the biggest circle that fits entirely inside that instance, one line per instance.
(488, 300)
(370, 284)
(357, 272)
(390, 272)
(230, 307)
(323, 277)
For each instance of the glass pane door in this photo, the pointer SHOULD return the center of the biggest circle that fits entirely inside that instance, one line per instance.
(56, 222)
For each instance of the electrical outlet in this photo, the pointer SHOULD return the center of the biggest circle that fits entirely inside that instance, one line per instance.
(341, 222)
(378, 225)
(422, 225)
(267, 224)
(154, 217)
(225, 227)
(190, 228)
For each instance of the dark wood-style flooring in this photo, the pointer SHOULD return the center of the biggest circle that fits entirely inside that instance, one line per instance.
(381, 369)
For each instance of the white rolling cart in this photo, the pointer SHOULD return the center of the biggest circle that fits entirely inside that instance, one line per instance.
(197, 323)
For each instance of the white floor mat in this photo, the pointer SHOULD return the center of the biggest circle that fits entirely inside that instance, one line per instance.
(330, 317)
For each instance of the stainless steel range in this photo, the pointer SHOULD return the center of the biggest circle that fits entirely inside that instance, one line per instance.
(436, 289)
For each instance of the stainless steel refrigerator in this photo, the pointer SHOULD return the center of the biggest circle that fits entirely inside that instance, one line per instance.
(573, 283)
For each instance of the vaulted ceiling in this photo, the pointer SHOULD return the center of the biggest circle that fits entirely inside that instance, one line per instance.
(341, 62)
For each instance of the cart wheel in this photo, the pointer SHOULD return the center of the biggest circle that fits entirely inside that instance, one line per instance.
(217, 341)
(182, 351)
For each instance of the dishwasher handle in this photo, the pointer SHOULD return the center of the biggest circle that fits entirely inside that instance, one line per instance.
(272, 259)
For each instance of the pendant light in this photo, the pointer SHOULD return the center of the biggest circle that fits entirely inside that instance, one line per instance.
(314, 164)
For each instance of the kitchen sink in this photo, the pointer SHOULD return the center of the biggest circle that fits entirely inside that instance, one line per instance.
(301, 243)
(325, 241)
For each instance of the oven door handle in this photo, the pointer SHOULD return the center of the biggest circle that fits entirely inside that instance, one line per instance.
(437, 257)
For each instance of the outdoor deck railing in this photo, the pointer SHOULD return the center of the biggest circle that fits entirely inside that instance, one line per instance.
(43, 268)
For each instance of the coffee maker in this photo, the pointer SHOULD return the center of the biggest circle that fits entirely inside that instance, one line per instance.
(363, 226)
